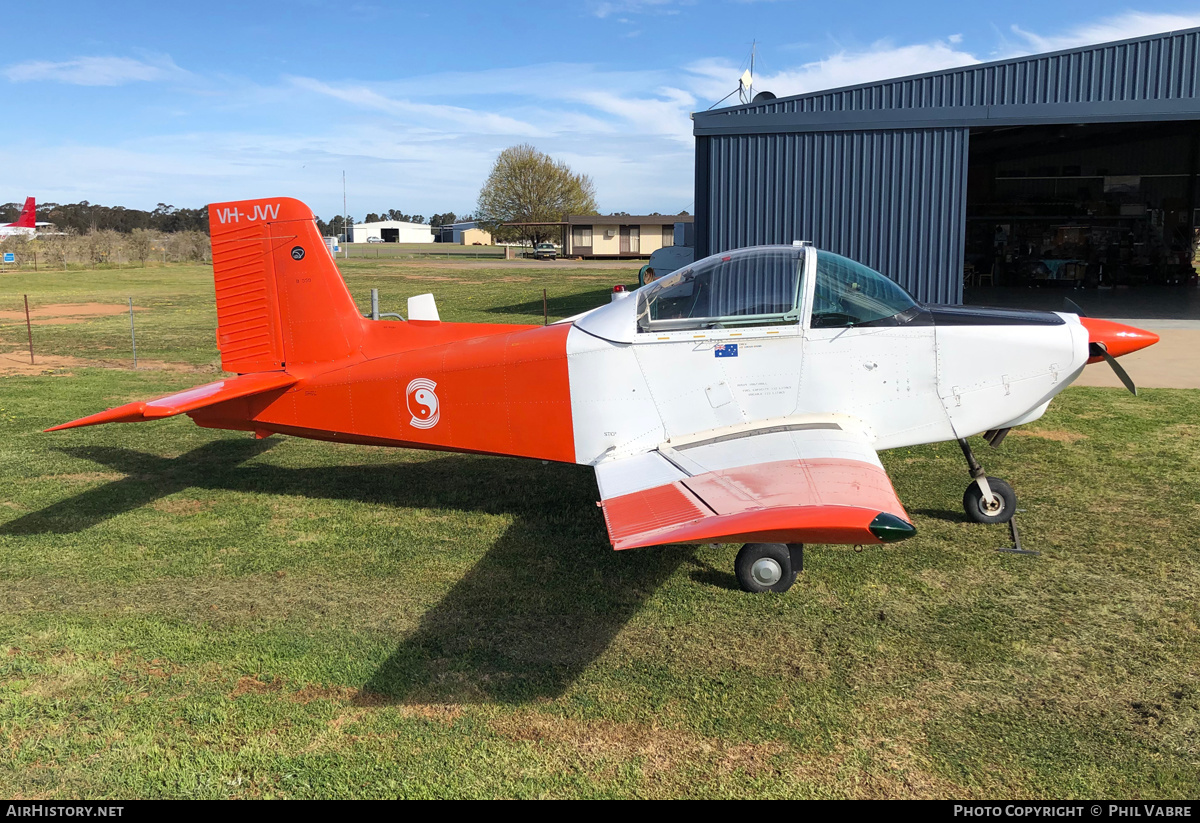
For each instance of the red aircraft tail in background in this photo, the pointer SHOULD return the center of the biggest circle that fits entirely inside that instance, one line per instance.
(28, 216)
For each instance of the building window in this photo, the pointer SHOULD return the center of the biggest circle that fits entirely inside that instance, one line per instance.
(581, 237)
(668, 236)
(631, 240)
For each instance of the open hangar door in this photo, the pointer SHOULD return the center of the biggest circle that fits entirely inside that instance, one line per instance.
(1102, 206)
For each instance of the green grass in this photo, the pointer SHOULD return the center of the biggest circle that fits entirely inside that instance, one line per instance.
(190, 613)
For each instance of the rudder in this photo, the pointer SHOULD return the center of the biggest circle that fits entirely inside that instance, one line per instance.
(280, 297)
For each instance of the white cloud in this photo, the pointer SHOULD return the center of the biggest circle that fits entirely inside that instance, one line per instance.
(457, 115)
(665, 115)
(1120, 27)
(95, 71)
(607, 8)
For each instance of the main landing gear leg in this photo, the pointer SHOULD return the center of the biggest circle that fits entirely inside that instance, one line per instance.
(987, 499)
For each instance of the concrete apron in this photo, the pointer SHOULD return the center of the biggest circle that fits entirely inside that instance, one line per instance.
(1171, 363)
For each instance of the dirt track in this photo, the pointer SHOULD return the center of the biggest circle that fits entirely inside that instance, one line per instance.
(17, 363)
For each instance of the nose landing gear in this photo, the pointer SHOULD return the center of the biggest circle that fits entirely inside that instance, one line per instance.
(987, 499)
(990, 499)
(999, 508)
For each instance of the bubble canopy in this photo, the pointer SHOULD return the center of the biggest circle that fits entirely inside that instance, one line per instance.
(764, 285)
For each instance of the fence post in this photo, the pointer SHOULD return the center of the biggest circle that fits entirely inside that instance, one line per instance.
(132, 334)
(545, 312)
(29, 329)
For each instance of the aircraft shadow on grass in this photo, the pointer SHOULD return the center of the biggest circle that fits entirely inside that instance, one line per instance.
(543, 603)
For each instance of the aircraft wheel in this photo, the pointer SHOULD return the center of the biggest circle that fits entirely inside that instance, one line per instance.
(998, 510)
(764, 567)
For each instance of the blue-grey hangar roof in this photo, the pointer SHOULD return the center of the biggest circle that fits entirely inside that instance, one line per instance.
(879, 172)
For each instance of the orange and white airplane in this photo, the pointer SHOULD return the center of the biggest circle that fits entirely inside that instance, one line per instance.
(742, 399)
(26, 223)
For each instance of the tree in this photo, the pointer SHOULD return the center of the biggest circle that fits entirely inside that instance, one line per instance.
(527, 186)
(335, 227)
(141, 243)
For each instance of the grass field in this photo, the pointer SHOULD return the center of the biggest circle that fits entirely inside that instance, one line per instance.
(189, 613)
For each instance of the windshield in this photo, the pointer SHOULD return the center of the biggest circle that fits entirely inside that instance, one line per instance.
(850, 294)
(757, 286)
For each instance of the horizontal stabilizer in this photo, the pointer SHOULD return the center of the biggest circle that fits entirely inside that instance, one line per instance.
(187, 401)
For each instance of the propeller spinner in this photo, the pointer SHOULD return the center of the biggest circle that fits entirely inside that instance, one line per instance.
(1108, 340)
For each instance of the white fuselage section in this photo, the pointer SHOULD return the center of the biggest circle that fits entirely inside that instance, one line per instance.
(907, 384)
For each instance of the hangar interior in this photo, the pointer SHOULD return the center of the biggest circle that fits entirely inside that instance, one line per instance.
(1081, 205)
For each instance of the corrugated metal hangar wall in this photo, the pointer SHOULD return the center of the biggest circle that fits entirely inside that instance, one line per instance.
(878, 172)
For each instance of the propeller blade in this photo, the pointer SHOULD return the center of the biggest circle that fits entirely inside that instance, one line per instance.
(1123, 375)
(1072, 307)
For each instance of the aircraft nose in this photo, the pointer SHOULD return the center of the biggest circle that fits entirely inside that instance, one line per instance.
(1118, 339)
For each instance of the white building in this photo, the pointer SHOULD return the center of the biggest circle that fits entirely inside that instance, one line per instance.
(393, 231)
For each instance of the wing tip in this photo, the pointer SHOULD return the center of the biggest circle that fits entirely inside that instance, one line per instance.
(889, 528)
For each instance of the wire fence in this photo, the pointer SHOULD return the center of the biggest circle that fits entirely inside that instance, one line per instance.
(39, 333)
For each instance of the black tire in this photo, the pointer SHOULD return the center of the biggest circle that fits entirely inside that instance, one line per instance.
(973, 503)
(764, 567)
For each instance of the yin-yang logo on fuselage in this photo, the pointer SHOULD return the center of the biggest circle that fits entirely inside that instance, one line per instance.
(423, 403)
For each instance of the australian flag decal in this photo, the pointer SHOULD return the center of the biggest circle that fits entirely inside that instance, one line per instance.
(725, 350)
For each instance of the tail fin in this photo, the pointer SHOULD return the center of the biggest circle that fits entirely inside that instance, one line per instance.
(28, 215)
(280, 298)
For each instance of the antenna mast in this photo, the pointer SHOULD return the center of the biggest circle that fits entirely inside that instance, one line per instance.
(753, 47)
(745, 87)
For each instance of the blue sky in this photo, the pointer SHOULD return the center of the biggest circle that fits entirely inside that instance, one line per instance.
(139, 103)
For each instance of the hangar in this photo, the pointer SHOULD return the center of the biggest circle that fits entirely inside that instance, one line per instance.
(1074, 168)
(392, 231)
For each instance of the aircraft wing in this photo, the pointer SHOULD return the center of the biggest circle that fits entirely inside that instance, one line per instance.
(787, 483)
(187, 401)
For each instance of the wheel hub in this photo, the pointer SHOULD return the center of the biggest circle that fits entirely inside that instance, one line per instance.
(992, 506)
(766, 571)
